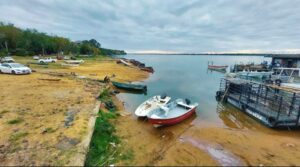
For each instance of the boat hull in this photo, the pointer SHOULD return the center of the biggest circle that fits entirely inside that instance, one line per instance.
(217, 67)
(172, 121)
(131, 87)
(148, 69)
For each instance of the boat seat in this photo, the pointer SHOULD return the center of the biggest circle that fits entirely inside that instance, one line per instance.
(184, 105)
(165, 109)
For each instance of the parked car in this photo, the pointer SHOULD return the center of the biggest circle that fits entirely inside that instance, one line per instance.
(47, 60)
(14, 68)
(67, 58)
(60, 57)
(7, 60)
(36, 57)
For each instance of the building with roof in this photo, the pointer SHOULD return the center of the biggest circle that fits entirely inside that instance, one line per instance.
(286, 60)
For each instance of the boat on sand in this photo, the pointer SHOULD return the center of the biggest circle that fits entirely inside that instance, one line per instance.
(172, 113)
(148, 69)
(151, 104)
(129, 86)
(74, 61)
(123, 61)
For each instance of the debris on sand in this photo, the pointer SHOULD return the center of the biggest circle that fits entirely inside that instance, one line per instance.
(70, 118)
(67, 143)
(49, 79)
(110, 105)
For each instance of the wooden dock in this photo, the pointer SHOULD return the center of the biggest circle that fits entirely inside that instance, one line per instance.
(274, 106)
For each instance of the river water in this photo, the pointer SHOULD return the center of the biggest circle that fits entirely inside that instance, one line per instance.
(187, 76)
(218, 134)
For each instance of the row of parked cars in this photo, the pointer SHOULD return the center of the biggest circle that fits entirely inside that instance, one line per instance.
(8, 65)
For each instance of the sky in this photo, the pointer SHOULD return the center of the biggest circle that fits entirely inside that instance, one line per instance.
(165, 25)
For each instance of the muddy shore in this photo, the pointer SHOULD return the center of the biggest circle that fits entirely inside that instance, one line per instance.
(196, 142)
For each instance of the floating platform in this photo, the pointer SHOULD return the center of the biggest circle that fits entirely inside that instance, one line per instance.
(274, 106)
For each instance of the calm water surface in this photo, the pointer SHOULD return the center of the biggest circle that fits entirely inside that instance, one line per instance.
(186, 76)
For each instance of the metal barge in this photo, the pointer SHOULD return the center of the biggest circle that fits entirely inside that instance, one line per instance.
(274, 106)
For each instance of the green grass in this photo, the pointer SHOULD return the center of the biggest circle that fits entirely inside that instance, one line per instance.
(102, 152)
(17, 136)
(15, 121)
(104, 95)
(127, 155)
(93, 57)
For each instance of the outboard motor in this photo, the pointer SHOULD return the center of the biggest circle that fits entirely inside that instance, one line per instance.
(187, 101)
(163, 96)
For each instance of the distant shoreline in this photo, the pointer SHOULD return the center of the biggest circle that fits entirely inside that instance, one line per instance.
(218, 54)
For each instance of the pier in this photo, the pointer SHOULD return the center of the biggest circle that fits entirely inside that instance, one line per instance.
(274, 106)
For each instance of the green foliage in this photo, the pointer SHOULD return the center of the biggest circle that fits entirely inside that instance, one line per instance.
(104, 141)
(128, 155)
(31, 42)
(104, 95)
(104, 51)
(15, 121)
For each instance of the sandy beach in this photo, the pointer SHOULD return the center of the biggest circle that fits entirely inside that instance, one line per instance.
(50, 110)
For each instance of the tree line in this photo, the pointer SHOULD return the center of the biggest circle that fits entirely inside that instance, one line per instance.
(16, 41)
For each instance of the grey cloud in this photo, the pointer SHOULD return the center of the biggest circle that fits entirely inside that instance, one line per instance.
(175, 25)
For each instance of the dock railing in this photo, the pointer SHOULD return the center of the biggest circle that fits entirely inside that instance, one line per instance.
(275, 106)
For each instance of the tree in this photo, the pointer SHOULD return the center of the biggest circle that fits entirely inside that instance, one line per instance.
(30, 42)
(95, 43)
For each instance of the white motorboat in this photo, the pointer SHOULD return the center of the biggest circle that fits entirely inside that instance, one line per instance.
(74, 61)
(254, 74)
(172, 113)
(151, 104)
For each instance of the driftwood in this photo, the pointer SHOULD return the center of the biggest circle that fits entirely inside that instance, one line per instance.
(49, 79)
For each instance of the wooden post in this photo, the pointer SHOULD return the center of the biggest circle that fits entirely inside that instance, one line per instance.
(279, 108)
(266, 94)
(298, 116)
(258, 93)
(241, 92)
(249, 93)
(292, 103)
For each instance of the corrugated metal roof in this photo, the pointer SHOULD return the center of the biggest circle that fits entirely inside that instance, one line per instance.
(295, 56)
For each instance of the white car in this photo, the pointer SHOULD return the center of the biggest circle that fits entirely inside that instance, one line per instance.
(14, 68)
(7, 60)
(47, 60)
(36, 57)
(67, 58)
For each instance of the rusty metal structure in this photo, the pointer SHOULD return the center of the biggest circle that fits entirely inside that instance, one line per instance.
(274, 106)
